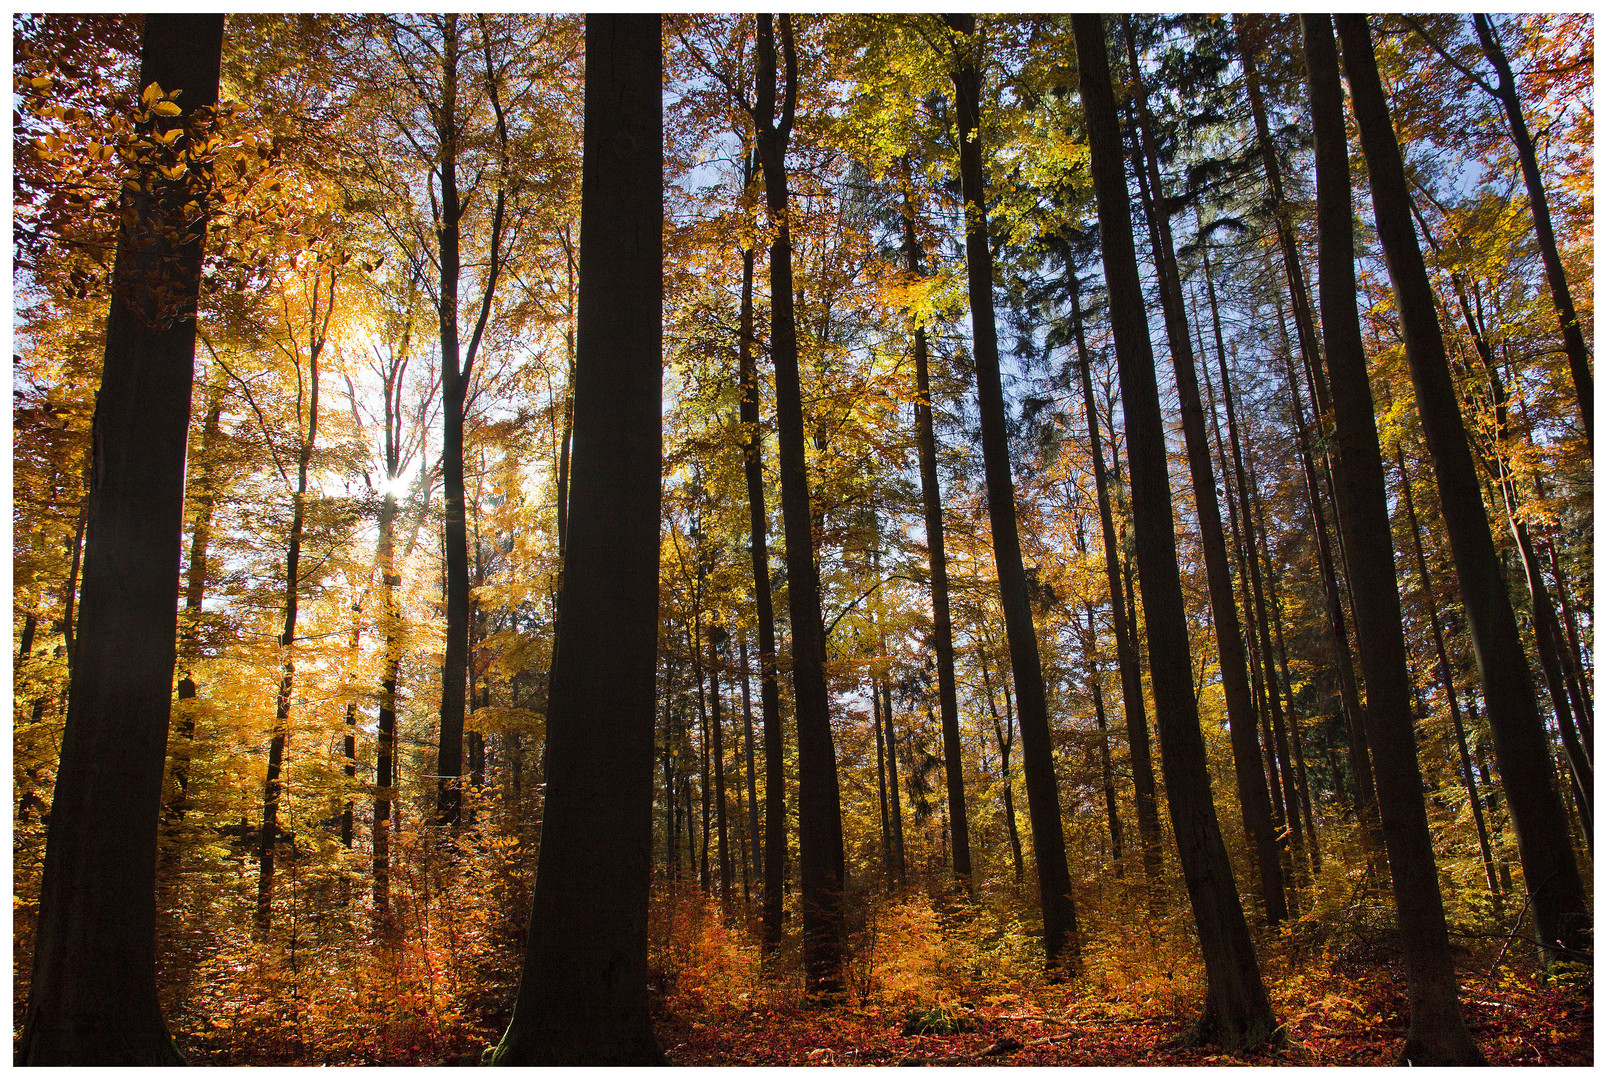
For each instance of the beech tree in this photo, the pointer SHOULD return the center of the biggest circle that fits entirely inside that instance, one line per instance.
(1562, 917)
(92, 999)
(1237, 1012)
(583, 992)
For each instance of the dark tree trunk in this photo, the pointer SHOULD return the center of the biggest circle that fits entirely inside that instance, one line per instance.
(268, 838)
(92, 999)
(1005, 733)
(1361, 767)
(747, 749)
(775, 799)
(1149, 825)
(1254, 801)
(937, 560)
(583, 991)
(1573, 338)
(820, 824)
(1237, 485)
(457, 371)
(189, 649)
(895, 804)
(454, 394)
(717, 747)
(1436, 1034)
(1562, 916)
(881, 779)
(1061, 945)
(385, 736)
(1237, 1012)
(1450, 686)
(1112, 818)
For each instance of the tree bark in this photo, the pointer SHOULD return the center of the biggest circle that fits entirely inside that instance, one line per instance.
(92, 998)
(1450, 685)
(1562, 916)
(775, 799)
(747, 747)
(1436, 1034)
(582, 996)
(1149, 825)
(1005, 733)
(1061, 944)
(1254, 801)
(820, 826)
(937, 561)
(1237, 1012)
(268, 837)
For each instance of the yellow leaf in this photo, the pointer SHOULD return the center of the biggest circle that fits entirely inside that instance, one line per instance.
(165, 108)
(150, 93)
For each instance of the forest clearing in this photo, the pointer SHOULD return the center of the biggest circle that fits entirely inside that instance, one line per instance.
(803, 539)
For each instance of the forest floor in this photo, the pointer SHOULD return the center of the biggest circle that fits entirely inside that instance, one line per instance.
(1516, 1024)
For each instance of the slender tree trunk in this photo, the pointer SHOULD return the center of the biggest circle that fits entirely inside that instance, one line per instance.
(1237, 482)
(189, 647)
(1361, 767)
(937, 560)
(1237, 1012)
(1062, 947)
(1436, 1034)
(1149, 825)
(1005, 733)
(385, 736)
(1254, 802)
(820, 827)
(582, 996)
(272, 785)
(1573, 338)
(92, 999)
(895, 804)
(695, 649)
(775, 805)
(1562, 916)
(881, 779)
(1112, 818)
(1449, 684)
(747, 749)
(718, 747)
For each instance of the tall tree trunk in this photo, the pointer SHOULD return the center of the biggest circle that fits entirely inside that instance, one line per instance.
(1361, 767)
(718, 748)
(454, 396)
(747, 749)
(881, 778)
(1062, 948)
(775, 798)
(92, 999)
(268, 838)
(1254, 802)
(1149, 825)
(937, 561)
(1237, 486)
(189, 648)
(457, 372)
(582, 996)
(1436, 1034)
(1237, 1012)
(1005, 733)
(895, 804)
(820, 824)
(1112, 818)
(1573, 338)
(1562, 916)
(705, 788)
(1450, 686)
(385, 736)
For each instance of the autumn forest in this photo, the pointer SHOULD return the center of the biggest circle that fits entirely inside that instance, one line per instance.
(803, 539)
